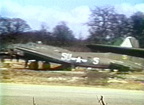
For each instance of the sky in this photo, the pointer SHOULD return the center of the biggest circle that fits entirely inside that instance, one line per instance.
(74, 12)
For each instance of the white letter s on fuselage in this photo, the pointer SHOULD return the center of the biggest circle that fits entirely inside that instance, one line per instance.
(96, 60)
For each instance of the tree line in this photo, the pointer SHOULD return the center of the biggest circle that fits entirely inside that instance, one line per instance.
(106, 26)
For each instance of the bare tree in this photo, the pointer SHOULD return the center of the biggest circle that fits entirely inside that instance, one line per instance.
(138, 27)
(10, 29)
(13, 25)
(63, 35)
(105, 25)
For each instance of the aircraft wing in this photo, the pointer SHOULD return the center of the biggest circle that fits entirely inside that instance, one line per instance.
(137, 52)
(37, 55)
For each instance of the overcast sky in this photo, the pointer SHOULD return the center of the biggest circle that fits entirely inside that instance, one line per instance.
(74, 12)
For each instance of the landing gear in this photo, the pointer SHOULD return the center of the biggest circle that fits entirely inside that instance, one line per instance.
(43, 65)
(36, 65)
(33, 65)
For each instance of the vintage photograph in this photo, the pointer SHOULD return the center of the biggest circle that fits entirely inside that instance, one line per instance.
(71, 52)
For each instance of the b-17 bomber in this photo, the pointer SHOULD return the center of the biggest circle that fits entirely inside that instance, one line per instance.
(101, 56)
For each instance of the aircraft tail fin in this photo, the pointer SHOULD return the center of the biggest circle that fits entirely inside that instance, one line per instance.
(130, 42)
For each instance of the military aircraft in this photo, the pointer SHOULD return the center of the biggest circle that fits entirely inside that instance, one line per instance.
(102, 57)
(120, 56)
(66, 58)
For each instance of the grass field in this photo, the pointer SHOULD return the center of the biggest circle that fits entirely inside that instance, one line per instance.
(14, 72)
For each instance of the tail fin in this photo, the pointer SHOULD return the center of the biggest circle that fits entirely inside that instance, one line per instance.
(130, 42)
